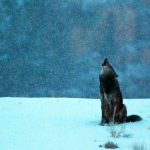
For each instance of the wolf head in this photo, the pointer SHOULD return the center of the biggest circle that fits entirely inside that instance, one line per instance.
(107, 69)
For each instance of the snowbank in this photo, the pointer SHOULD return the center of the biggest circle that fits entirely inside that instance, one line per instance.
(66, 124)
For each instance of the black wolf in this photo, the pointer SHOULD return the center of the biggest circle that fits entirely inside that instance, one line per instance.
(113, 109)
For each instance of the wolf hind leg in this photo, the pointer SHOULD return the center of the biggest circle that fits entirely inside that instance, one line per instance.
(121, 115)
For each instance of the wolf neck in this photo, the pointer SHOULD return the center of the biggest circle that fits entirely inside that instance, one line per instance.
(109, 83)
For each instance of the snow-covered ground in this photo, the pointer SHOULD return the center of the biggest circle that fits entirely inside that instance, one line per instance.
(66, 124)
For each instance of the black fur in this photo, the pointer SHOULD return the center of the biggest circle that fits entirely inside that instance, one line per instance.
(133, 118)
(113, 109)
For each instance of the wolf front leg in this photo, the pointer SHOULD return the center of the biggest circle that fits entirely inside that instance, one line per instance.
(102, 117)
(104, 110)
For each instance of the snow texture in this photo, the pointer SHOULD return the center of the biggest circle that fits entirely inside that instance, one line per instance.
(66, 124)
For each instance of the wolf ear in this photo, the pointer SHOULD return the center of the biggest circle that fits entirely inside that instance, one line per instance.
(106, 62)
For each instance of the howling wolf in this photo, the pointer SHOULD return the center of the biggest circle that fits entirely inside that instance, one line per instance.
(113, 109)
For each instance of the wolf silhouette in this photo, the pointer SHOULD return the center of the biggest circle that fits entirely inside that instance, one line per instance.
(113, 109)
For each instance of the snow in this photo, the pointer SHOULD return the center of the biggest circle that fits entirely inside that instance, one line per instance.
(66, 124)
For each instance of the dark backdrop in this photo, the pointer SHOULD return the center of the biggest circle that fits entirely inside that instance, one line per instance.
(55, 48)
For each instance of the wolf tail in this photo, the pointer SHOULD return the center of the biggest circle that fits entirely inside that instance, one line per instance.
(133, 118)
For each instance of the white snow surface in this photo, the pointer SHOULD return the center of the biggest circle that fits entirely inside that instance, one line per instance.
(67, 124)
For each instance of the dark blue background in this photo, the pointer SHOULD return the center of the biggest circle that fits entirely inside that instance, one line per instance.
(56, 47)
